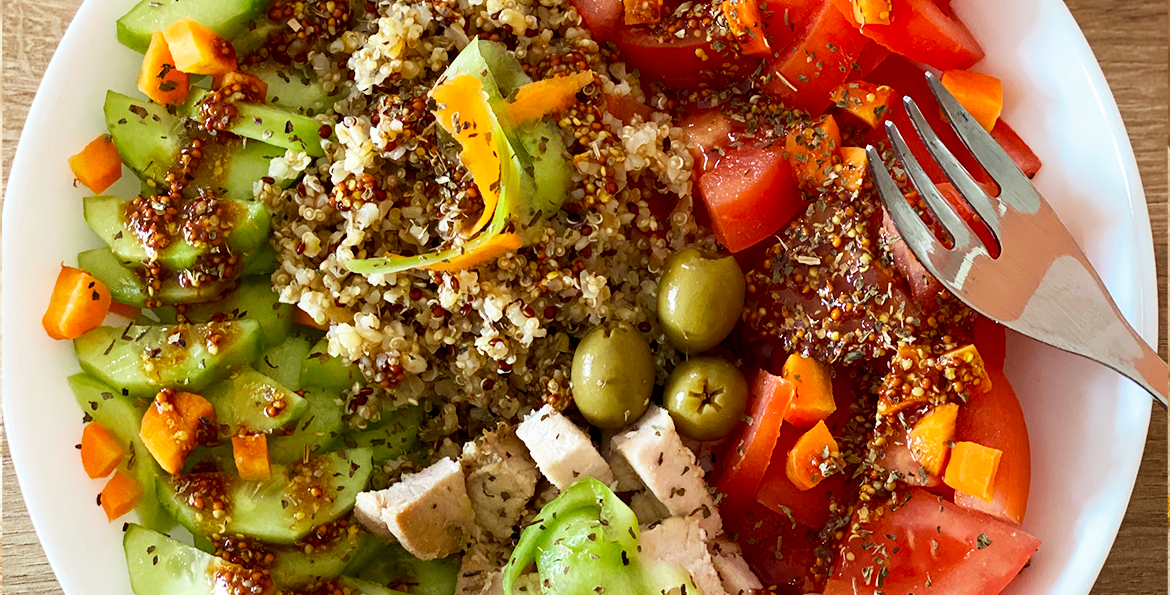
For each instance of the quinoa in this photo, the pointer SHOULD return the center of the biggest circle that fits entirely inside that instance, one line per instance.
(481, 345)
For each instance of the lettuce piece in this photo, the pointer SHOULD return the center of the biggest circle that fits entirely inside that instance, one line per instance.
(585, 539)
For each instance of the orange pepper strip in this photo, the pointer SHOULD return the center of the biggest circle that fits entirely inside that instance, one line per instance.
(78, 305)
(302, 318)
(815, 448)
(491, 249)
(549, 96)
(463, 111)
(981, 94)
(125, 310)
(101, 452)
(121, 495)
(98, 165)
(972, 469)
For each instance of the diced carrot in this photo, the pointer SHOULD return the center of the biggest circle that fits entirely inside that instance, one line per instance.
(125, 310)
(872, 12)
(971, 374)
(813, 458)
(747, 24)
(173, 425)
(811, 151)
(251, 86)
(462, 99)
(981, 94)
(490, 250)
(159, 79)
(972, 469)
(98, 165)
(78, 305)
(548, 96)
(121, 495)
(854, 163)
(869, 102)
(101, 452)
(814, 391)
(251, 455)
(750, 454)
(929, 440)
(642, 12)
(302, 318)
(199, 50)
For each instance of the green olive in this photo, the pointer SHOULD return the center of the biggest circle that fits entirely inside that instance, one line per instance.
(700, 300)
(613, 375)
(706, 397)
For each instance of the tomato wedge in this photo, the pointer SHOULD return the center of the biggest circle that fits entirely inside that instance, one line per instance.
(750, 454)
(786, 21)
(995, 419)
(823, 58)
(1015, 146)
(923, 32)
(750, 194)
(603, 18)
(685, 61)
(929, 545)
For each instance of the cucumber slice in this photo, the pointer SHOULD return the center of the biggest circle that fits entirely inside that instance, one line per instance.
(106, 215)
(393, 436)
(160, 565)
(295, 89)
(299, 566)
(118, 414)
(316, 432)
(357, 586)
(263, 263)
(245, 399)
(282, 363)
(279, 510)
(252, 300)
(146, 135)
(230, 168)
(228, 18)
(126, 285)
(144, 359)
(328, 372)
(268, 123)
(427, 577)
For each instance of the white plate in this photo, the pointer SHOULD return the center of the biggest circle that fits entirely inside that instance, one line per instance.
(1087, 426)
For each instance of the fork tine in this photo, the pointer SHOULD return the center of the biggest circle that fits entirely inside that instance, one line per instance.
(913, 231)
(960, 232)
(985, 149)
(964, 183)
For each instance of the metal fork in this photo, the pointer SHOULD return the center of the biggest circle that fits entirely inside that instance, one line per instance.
(1041, 284)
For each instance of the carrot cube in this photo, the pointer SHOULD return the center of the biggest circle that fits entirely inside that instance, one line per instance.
(811, 150)
(814, 391)
(872, 12)
(854, 162)
(981, 94)
(159, 79)
(121, 495)
(930, 439)
(869, 102)
(251, 455)
(813, 458)
(199, 50)
(972, 469)
(78, 305)
(101, 452)
(98, 165)
(173, 425)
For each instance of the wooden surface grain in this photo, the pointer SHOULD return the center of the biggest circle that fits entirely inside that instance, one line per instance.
(1129, 39)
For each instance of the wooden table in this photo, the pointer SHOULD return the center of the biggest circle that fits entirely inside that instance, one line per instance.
(1129, 38)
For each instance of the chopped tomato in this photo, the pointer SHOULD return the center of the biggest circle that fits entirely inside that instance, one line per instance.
(750, 194)
(929, 545)
(995, 420)
(923, 286)
(923, 32)
(603, 18)
(751, 452)
(872, 56)
(682, 61)
(823, 58)
(1015, 146)
(780, 551)
(706, 132)
(786, 21)
(991, 341)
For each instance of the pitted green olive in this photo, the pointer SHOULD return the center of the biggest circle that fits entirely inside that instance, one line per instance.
(706, 397)
(700, 300)
(613, 375)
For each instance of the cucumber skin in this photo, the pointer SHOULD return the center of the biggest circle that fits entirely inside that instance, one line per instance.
(147, 144)
(122, 418)
(127, 287)
(229, 19)
(159, 565)
(120, 366)
(277, 126)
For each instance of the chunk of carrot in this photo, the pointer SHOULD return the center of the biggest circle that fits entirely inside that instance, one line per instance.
(981, 94)
(548, 96)
(159, 79)
(869, 102)
(490, 250)
(199, 50)
(813, 458)
(251, 86)
(125, 310)
(173, 425)
(814, 391)
(747, 24)
(872, 12)
(854, 162)
(98, 165)
(78, 305)
(101, 452)
(972, 469)
(251, 455)
(811, 151)
(929, 440)
(121, 495)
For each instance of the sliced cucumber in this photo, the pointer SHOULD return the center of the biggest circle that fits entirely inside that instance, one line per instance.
(146, 135)
(228, 18)
(127, 286)
(316, 432)
(328, 372)
(428, 577)
(268, 123)
(144, 359)
(279, 510)
(160, 565)
(298, 566)
(245, 400)
(230, 168)
(106, 215)
(296, 90)
(263, 263)
(393, 436)
(356, 586)
(282, 363)
(118, 414)
(252, 300)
